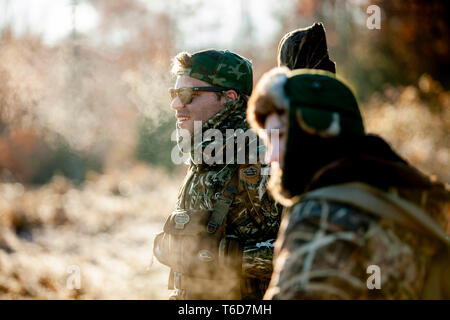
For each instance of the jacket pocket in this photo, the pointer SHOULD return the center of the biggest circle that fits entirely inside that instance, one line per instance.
(186, 246)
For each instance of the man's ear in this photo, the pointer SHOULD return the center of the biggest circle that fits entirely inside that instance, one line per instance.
(231, 95)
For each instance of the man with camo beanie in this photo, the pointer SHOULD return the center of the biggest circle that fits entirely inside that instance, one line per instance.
(219, 240)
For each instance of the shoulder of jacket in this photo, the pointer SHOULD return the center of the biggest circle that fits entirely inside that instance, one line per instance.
(343, 216)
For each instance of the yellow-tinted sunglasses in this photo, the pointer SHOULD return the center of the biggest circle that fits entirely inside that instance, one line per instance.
(186, 94)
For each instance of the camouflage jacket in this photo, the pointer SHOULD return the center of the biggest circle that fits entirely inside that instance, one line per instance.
(326, 249)
(253, 217)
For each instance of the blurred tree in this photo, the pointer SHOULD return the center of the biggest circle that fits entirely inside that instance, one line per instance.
(64, 160)
(413, 40)
(143, 42)
(153, 144)
(416, 38)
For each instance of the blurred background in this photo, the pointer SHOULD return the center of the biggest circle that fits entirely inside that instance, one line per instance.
(86, 178)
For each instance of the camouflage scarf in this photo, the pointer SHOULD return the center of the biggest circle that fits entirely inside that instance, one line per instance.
(233, 116)
(193, 194)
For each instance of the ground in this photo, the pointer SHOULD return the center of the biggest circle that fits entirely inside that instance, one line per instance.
(102, 231)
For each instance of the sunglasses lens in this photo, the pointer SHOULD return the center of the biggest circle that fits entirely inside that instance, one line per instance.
(185, 95)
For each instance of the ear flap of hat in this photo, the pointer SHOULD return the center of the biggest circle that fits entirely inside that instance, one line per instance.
(315, 122)
(324, 105)
(327, 124)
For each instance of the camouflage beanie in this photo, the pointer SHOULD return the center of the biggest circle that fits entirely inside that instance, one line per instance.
(305, 48)
(324, 105)
(222, 68)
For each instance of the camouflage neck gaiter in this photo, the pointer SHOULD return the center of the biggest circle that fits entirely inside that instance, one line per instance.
(233, 116)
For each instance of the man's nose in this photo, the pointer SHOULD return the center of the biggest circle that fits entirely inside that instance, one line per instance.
(176, 104)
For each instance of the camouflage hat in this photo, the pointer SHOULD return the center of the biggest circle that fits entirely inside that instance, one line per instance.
(222, 68)
(324, 105)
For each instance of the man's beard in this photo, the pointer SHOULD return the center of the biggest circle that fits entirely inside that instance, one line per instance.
(302, 158)
(304, 155)
(307, 157)
(275, 187)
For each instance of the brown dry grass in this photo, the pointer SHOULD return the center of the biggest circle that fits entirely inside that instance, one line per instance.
(105, 229)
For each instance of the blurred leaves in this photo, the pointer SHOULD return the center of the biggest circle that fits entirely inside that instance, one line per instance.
(413, 40)
(79, 102)
(64, 160)
(154, 145)
(420, 133)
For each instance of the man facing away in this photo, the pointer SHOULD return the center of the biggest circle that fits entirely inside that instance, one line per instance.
(361, 223)
(219, 240)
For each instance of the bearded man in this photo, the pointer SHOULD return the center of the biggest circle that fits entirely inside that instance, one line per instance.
(360, 223)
